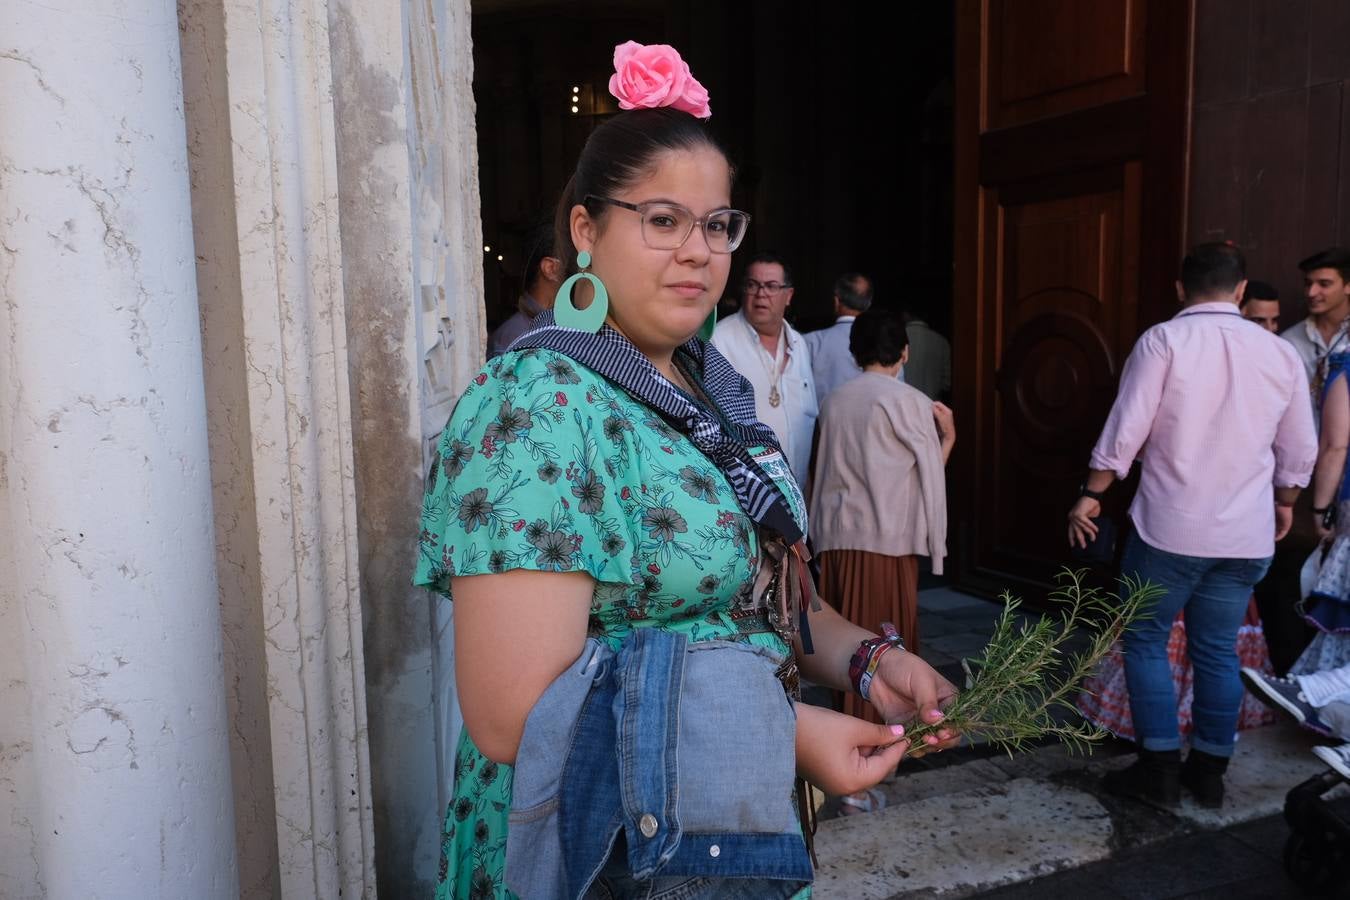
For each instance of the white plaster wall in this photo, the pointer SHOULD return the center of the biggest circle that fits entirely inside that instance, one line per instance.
(107, 499)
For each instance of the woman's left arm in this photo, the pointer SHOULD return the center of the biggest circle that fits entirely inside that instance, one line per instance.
(904, 686)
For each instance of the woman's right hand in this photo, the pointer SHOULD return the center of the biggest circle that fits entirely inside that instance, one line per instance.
(843, 755)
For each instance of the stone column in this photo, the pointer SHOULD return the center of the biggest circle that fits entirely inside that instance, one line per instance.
(412, 275)
(266, 186)
(111, 600)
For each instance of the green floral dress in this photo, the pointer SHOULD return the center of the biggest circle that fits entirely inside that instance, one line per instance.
(547, 466)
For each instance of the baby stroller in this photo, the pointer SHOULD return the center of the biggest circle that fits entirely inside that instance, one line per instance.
(1317, 853)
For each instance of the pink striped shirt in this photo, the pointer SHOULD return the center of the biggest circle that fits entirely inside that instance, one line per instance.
(1216, 410)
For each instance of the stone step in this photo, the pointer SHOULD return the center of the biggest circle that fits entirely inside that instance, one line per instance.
(959, 830)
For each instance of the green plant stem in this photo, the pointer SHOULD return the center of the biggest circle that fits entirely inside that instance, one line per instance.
(1014, 688)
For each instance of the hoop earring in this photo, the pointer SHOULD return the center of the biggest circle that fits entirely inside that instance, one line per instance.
(705, 331)
(592, 317)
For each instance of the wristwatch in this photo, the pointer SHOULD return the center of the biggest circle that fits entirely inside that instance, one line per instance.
(1084, 491)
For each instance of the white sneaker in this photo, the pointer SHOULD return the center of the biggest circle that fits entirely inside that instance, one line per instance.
(1336, 757)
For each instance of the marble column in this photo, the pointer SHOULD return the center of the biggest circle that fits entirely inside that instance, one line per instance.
(266, 187)
(113, 733)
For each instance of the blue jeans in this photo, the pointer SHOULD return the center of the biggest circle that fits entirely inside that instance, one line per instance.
(1214, 593)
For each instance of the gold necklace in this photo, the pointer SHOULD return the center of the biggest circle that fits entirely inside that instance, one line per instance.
(774, 370)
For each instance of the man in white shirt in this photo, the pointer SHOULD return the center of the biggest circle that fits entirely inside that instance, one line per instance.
(1326, 284)
(831, 362)
(773, 356)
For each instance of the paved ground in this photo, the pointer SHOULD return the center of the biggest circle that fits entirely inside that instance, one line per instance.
(974, 822)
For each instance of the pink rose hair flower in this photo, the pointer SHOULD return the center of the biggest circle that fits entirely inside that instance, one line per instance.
(647, 76)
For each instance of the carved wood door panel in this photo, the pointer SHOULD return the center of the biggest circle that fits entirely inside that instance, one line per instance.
(1070, 156)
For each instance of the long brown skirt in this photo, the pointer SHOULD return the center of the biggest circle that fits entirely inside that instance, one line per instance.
(868, 589)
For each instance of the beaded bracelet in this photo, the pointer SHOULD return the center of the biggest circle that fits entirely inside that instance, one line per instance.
(863, 666)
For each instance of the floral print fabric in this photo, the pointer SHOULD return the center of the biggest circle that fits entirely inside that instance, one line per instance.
(546, 466)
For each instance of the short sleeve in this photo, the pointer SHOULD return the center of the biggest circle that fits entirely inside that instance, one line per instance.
(517, 482)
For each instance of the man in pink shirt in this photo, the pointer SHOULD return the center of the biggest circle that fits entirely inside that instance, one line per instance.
(1215, 408)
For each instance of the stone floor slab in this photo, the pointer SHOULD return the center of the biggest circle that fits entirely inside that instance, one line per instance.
(961, 645)
(1188, 865)
(944, 598)
(912, 786)
(954, 845)
(1266, 836)
(962, 829)
(1053, 759)
(1206, 864)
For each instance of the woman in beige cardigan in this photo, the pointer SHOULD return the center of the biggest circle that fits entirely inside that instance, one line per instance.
(879, 497)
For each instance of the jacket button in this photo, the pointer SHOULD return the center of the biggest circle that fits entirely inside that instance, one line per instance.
(714, 851)
(647, 825)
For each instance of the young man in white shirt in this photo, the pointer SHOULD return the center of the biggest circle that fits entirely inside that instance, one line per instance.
(1326, 284)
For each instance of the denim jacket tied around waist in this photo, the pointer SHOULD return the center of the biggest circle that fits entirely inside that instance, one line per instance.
(686, 749)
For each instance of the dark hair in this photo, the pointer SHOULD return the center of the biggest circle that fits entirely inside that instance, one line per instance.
(769, 258)
(1337, 258)
(878, 336)
(621, 151)
(854, 290)
(1212, 268)
(538, 245)
(1259, 290)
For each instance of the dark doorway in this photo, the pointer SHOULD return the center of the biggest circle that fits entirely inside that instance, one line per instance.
(839, 117)
(1071, 159)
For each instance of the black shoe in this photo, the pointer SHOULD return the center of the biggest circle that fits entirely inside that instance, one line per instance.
(1202, 775)
(1155, 777)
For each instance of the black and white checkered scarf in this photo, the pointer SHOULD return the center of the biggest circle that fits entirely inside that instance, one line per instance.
(723, 434)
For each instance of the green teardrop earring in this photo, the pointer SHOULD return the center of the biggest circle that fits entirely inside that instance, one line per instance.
(592, 317)
(705, 331)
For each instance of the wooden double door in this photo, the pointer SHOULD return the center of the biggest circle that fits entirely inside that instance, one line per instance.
(1071, 129)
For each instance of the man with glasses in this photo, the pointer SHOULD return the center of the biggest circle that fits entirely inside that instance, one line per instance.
(774, 357)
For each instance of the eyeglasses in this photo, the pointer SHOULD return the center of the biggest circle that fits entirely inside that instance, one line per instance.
(666, 226)
(751, 286)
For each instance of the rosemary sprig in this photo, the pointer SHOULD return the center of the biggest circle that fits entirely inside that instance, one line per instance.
(1024, 675)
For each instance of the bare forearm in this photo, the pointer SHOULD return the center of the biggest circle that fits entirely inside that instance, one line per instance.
(1099, 480)
(834, 639)
(1327, 475)
(1287, 496)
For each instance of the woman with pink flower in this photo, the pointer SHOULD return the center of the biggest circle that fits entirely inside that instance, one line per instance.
(608, 475)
